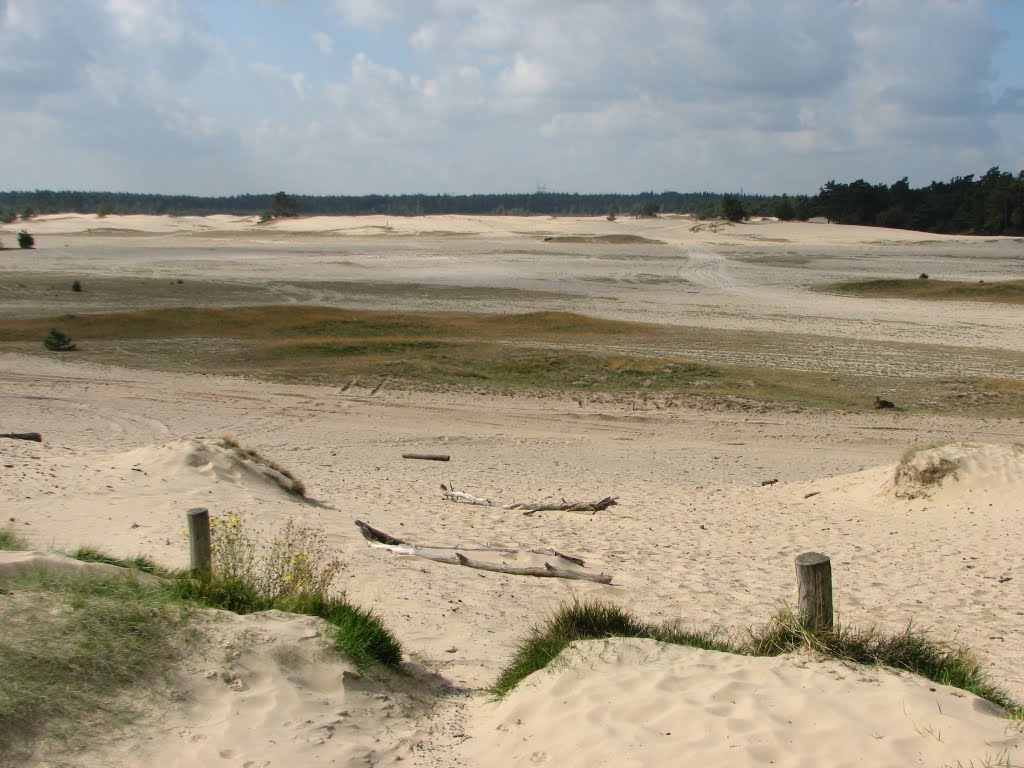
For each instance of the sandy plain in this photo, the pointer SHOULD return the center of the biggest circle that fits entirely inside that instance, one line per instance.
(695, 538)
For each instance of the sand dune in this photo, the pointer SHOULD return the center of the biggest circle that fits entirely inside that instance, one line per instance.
(641, 703)
(696, 537)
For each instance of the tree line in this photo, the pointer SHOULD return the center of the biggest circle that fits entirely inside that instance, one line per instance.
(990, 205)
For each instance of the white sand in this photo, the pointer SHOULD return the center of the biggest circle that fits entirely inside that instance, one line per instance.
(696, 537)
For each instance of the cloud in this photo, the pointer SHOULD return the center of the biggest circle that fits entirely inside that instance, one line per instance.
(295, 81)
(483, 95)
(324, 42)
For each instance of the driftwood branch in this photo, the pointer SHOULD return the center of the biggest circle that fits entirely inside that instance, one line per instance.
(378, 536)
(528, 508)
(33, 436)
(427, 456)
(382, 540)
(556, 553)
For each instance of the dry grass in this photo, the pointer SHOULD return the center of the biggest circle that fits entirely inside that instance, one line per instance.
(539, 352)
(921, 469)
(270, 469)
(79, 658)
(1005, 291)
(609, 239)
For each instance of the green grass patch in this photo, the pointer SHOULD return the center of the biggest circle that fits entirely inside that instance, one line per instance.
(910, 651)
(589, 621)
(12, 542)
(536, 352)
(144, 563)
(1003, 291)
(72, 654)
(356, 633)
(292, 573)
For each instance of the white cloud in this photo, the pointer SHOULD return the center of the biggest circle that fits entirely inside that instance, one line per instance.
(480, 95)
(295, 81)
(324, 42)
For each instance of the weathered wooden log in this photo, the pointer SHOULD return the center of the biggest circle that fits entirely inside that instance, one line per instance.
(33, 436)
(427, 456)
(381, 540)
(528, 508)
(374, 534)
(548, 551)
(199, 539)
(814, 589)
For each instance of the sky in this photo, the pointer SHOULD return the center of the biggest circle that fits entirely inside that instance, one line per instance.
(221, 97)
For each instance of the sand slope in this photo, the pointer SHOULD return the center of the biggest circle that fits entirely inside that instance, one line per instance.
(641, 703)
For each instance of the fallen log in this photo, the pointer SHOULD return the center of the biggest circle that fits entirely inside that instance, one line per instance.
(33, 436)
(381, 540)
(427, 456)
(377, 536)
(556, 553)
(528, 508)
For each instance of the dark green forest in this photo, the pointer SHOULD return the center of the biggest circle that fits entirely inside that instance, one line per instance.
(990, 205)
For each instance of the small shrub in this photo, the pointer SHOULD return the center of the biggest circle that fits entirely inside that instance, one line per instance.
(58, 341)
(76, 286)
(296, 560)
(26, 240)
(923, 276)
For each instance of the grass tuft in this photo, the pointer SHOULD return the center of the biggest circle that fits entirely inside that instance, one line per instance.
(589, 621)
(71, 651)
(144, 563)
(1002, 291)
(283, 477)
(911, 650)
(12, 542)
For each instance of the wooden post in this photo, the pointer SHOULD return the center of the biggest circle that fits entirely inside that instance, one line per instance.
(199, 539)
(814, 583)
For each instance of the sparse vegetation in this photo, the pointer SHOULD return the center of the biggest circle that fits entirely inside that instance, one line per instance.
(11, 541)
(589, 621)
(285, 479)
(921, 469)
(537, 352)
(144, 563)
(606, 239)
(292, 571)
(910, 651)
(71, 650)
(1004, 291)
